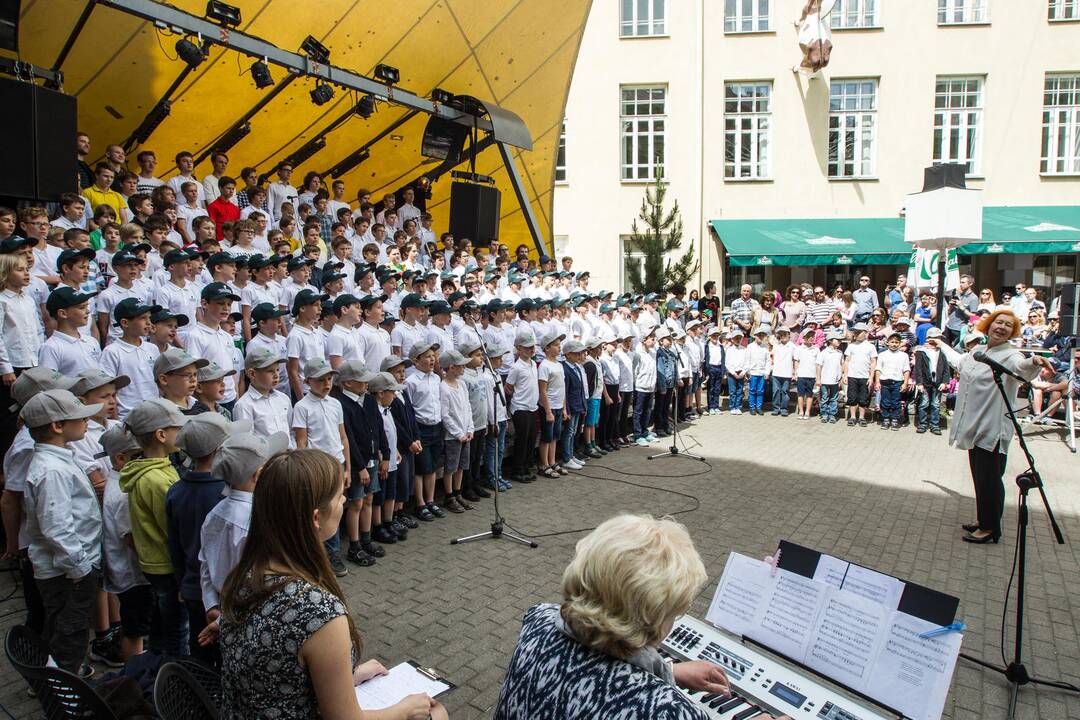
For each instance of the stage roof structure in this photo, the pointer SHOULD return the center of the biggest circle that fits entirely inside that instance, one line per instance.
(515, 56)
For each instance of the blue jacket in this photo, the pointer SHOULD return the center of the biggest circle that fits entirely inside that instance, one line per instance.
(187, 503)
(666, 369)
(364, 429)
(408, 430)
(575, 389)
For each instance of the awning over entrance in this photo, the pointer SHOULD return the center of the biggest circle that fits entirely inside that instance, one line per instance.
(880, 241)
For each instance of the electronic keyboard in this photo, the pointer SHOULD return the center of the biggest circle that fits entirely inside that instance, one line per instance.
(759, 683)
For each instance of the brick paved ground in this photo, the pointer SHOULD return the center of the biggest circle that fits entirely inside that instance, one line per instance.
(890, 500)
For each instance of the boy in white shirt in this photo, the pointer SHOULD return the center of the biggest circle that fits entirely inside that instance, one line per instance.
(644, 389)
(126, 267)
(178, 294)
(860, 360)
(625, 362)
(829, 371)
(890, 376)
(304, 342)
(713, 365)
(207, 339)
(759, 367)
(132, 355)
(552, 397)
(265, 316)
(523, 386)
(457, 427)
(269, 409)
(424, 388)
(783, 369)
(806, 363)
(736, 363)
(68, 350)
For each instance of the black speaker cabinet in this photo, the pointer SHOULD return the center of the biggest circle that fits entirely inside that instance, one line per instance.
(1069, 311)
(37, 142)
(474, 212)
(9, 25)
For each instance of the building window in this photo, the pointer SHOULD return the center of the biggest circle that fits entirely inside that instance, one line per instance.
(854, 14)
(642, 132)
(958, 114)
(560, 157)
(746, 16)
(1061, 125)
(852, 128)
(961, 12)
(1064, 10)
(747, 128)
(641, 18)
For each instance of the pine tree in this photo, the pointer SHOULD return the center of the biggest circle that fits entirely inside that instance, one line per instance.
(661, 238)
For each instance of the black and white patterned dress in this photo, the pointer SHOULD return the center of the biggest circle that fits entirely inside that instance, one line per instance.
(554, 677)
(260, 664)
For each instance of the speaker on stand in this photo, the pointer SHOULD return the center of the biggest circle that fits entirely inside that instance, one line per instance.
(474, 212)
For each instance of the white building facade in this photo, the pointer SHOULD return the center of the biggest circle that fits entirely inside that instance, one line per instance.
(705, 89)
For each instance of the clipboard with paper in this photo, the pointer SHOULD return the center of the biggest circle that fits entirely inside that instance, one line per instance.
(404, 679)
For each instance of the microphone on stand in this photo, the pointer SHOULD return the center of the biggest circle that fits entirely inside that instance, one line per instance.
(994, 365)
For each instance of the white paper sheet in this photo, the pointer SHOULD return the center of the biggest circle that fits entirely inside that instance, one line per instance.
(912, 674)
(390, 689)
(787, 618)
(831, 570)
(741, 592)
(872, 585)
(846, 639)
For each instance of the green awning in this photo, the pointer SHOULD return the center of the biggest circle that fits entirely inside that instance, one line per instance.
(880, 241)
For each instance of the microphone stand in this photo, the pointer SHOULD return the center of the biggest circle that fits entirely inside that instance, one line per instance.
(1015, 672)
(497, 526)
(674, 450)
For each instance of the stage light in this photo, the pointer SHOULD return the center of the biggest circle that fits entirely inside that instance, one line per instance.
(152, 120)
(386, 73)
(260, 73)
(232, 137)
(322, 94)
(442, 97)
(305, 152)
(222, 13)
(315, 50)
(190, 53)
(348, 163)
(366, 107)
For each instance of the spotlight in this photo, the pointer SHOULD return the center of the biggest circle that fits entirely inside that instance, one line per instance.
(190, 53)
(222, 13)
(154, 118)
(322, 94)
(442, 97)
(260, 73)
(389, 75)
(232, 137)
(306, 151)
(315, 50)
(366, 107)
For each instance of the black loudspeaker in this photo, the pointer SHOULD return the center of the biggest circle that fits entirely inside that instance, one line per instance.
(443, 139)
(37, 143)
(9, 25)
(945, 175)
(1069, 310)
(474, 212)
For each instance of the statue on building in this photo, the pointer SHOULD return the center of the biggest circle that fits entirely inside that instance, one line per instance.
(815, 37)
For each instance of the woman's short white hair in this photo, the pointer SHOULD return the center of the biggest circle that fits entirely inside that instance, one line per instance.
(629, 578)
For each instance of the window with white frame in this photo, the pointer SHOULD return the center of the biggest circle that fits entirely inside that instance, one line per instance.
(960, 12)
(1064, 10)
(852, 128)
(1061, 125)
(854, 14)
(560, 156)
(746, 16)
(747, 130)
(958, 117)
(642, 117)
(641, 18)
(634, 258)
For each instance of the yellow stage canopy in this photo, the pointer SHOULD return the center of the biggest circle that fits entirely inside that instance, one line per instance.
(517, 54)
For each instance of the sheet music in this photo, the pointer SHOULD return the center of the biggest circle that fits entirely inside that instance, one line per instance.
(831, 570)
(390, 689)
(740, 594)
(787, 618)
(912, 674)
(846, 639)
(872, 585)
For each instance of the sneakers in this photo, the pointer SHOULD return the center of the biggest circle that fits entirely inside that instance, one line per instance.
(736, 411)
(86, 671)
(936, 431)
(863, 423)
(504, 484)
(399, 529)
(652, 437)
(338, 565)
(832, 418)
(359, 557)
(895, 425)
(107, 650)
(454, 506)
(643, 442)
(572, 464)
(824, 419)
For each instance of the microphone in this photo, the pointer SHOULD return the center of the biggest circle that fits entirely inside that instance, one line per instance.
(994, 365)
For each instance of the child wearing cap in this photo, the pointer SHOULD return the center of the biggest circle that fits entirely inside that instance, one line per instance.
(860, 359)
(624, 360)
(363, 428)
(759, 367)
(645, 381)
(890, 375)
(666, 381)
(495, 445)
(155, 424)
(74, 270)
(238, 462)
(408, 435)
(522, 384)
(304, 343)
(577, 405)
(163, 330)
(783, 369)
(596, 395)
(177, 373)
(552, 398)
(96, 387)
(269, 409)
(479, 392)
(210, 341)
(187, 503)
(609, 416)
(318, 422)
(210, 389)
(121, 575)
(132, 355)
(829, 370)
(127, 267)
(457, 427)
(63, 523)
(267, 319)
(713, 366)
(806, 378)
(178, 295)
(71, 347)
(736, 364)
(931, 374)
(383, 390)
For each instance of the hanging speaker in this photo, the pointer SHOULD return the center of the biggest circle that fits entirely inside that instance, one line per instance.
(443, 139)
(38, 143)
(474, 212)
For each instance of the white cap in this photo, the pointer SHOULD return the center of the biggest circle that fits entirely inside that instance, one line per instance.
(155, 414)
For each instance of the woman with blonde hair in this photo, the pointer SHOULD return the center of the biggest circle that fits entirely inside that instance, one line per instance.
(595, 655)
(289, 646)
(979, 423)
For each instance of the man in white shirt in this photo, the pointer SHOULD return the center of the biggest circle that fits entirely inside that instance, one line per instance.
(337, 202)
(211, 191)
(281, 191)
(147, 165)
(185, 162)
(407, 209)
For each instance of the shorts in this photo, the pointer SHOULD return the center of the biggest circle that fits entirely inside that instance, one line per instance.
(592, 415)
(695, 382)
(457, 455)
(136, 611)
(358, 491)
(804, 386)
(430, 458)
(550, 431)
(858, 392)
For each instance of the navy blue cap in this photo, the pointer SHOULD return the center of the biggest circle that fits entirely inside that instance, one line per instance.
(163, 315)
(64, 297)
(130, 308)
(412, 300)
(218, 291)
(70, 255)
(174, 256)
(218, 258)
(266, 311)
(125, 257)
(14, 244)
(307, 296)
